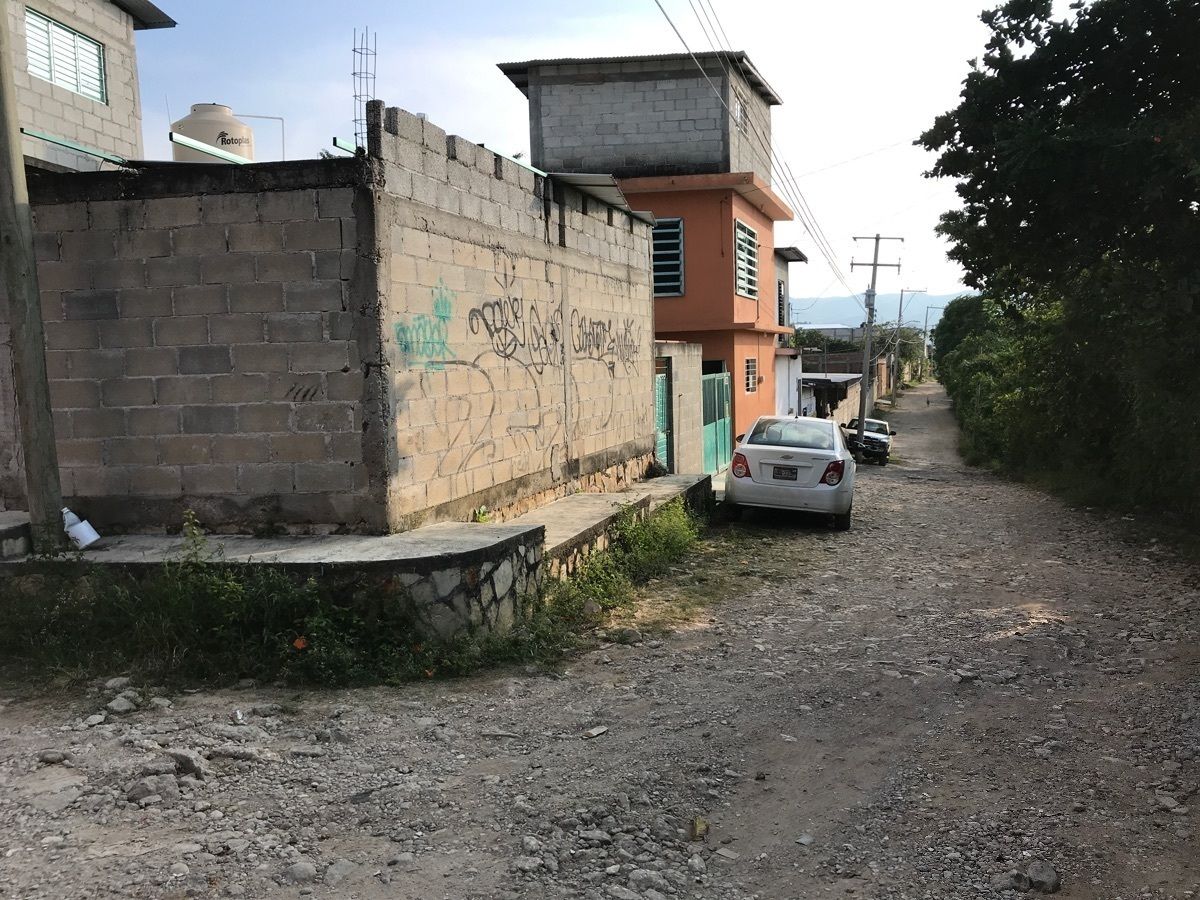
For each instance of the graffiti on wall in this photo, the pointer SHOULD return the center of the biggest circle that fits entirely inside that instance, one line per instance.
(511, 332)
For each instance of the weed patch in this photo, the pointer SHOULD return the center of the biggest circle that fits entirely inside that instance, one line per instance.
(199, 619)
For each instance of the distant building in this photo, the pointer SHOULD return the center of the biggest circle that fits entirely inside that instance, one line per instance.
(834, 332)
(75, 71)
(689, 140)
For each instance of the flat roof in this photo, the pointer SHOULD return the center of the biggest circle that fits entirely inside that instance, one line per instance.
(145, 14)
(518, 72)
(791, 254)
(834, 377)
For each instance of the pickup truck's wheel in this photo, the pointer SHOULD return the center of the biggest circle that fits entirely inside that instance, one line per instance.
(883, 460)
(842, 522)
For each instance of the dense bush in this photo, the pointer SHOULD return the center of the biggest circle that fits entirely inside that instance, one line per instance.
(1076, 148)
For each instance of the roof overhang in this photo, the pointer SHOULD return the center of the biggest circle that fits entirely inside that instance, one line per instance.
(756, 191)
(145, 14)
(518, 72)
(791, 254)
(603, 188)
(829, 378)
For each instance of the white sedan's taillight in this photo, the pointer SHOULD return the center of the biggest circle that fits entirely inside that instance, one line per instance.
(740, 466)
(834, 472)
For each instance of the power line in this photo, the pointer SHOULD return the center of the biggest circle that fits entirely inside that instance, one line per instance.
(788, 186)
(803, 212)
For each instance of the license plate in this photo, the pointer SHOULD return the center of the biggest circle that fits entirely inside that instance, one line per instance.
(784, 473)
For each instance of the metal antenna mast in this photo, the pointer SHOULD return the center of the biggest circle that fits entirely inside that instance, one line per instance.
(364, 81)
(868, 364)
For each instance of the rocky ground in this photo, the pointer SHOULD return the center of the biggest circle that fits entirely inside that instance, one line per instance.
(975, 693)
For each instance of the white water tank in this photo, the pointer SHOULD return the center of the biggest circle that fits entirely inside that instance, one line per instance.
(213, 124)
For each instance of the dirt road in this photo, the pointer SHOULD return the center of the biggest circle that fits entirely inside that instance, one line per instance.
(975, 680)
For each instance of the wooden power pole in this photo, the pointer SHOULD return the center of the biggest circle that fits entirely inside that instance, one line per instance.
(868, 363)
(19, 266)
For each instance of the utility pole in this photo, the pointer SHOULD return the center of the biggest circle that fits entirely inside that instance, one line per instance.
(925, 336)
(19, 267)
(874, 265)
(896, 342)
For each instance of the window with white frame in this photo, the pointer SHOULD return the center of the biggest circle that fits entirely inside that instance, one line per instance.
(745, 255)
(739, 112)
(751, 375)
(667, 253)
(65, 57)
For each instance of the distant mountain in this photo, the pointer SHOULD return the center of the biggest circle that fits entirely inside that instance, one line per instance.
(846, 311)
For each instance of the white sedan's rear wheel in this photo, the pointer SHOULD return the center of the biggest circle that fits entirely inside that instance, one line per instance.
(841, 521)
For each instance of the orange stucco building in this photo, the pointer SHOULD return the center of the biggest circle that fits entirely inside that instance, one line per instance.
(687, 138)
(736, 319)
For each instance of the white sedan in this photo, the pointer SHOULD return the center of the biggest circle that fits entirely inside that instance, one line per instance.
(798, 463)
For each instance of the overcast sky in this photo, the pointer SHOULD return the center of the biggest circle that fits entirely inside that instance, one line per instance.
(859, 81)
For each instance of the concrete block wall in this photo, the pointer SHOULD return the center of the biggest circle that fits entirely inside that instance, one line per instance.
(749, 145)
(661, 123)
(115, 126)
(687, 404)
(517, 330)
(203, 348)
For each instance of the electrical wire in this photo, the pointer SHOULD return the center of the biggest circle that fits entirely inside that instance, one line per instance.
(788, 187)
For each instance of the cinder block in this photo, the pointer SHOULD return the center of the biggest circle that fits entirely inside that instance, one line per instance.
(240, 448)
(345, 385)
(335, 203)
(45, 246)
(324, 417)
(296, 387)
(313, 296)
(141, 361)
(238, 388)
(144, 243)
(199, 240)
(320, 356)
(340, 326)
(125, 392)
(96, 363)
(181, 330)
(292, 327)
(125, 451)
(61, 217)
(287, 266)
(260, 480)
(204, 480)
(199, 299)
(236, 329)
(64, 276)
(80, 453)
(258, 237)
(140, 302)
(264, 417)
(244, 298)
(120, 215)
(230, 208)
(97, 423)
(177, 389)
(301, 448)
(228, 268)
(209, 419)
(345, 447)
(404, 124)
(172, 270)
(152, 420)
(260, 358)
(123, 333)
(287, 206)
(172, 212)
(204, 360)
(74, 394)
(118, 273)
(159, 481)
(323, 234)
(106, 481)
(324, 477)
(184, 450)
(82, 305)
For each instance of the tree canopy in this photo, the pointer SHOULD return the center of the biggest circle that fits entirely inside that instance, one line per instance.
(1076, 148)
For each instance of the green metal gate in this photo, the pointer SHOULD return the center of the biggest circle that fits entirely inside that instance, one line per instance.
(718, 428)
(662, 419)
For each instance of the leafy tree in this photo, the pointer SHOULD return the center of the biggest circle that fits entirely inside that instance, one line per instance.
(1076, 147)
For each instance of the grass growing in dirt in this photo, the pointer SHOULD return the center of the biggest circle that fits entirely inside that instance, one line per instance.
(199, 620)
